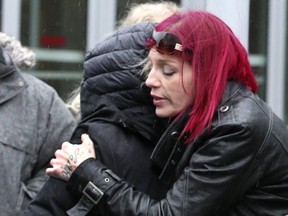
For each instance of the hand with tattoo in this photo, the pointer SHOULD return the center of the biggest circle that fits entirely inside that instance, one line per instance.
(69, 157)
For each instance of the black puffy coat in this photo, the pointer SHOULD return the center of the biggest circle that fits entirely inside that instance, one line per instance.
(118, 114)
(116, 109)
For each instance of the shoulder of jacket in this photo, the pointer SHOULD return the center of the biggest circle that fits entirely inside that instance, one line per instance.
(42, 92)
(124, 47)
(245, 110)
(38, 84)
(134, 34)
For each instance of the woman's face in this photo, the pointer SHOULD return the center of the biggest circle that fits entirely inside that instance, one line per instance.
(171, 89)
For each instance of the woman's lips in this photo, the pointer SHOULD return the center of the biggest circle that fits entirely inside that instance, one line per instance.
(158, 101)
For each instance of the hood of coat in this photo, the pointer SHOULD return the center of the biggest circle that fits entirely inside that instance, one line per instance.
(20, 56)
(112, 83)
(11, 81)
(2, 59)
(5, 67)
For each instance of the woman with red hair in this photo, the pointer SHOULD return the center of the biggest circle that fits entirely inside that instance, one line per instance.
(224, 151)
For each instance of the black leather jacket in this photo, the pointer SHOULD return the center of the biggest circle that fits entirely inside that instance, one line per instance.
(237, 167)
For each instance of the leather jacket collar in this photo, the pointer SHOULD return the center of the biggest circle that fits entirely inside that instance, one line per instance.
(170, 149)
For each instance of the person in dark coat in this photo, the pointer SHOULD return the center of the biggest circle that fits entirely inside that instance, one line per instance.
(116, 107)
(137, 13)
(118, 114)
(224, 153)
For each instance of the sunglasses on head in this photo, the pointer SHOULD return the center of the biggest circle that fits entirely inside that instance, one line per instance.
(166, 43)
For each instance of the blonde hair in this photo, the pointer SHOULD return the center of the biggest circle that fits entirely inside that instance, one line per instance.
(22, 57)
(149, 12)
(73, 104)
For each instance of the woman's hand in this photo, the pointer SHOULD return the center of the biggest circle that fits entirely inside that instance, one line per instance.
(69, 157)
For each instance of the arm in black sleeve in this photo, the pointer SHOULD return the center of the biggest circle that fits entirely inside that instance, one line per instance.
(53, 199)
(211, 183)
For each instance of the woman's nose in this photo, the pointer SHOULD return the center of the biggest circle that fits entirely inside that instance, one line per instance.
(148, 81)
(151, 80)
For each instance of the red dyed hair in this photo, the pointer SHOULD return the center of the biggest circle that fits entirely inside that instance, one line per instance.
(217, 57)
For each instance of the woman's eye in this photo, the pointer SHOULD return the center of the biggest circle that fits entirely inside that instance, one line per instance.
(167, 71)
